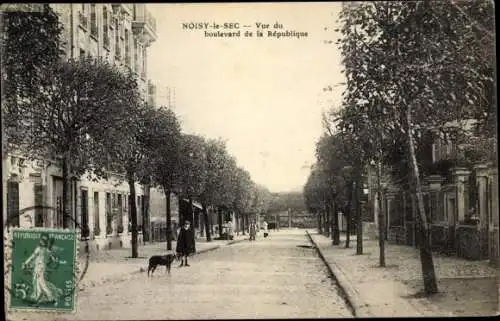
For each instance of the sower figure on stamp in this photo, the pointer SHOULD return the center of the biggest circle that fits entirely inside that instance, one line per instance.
(41, 258)
(185, 243)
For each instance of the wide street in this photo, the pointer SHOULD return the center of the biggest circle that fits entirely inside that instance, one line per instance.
(277, 277)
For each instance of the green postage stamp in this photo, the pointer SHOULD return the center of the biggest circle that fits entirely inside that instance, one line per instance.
(43, 270)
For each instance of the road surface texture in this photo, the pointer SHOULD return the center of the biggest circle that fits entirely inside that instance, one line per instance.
(277, 277)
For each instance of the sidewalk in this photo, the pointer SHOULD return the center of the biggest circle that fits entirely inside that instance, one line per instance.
(467, 288)
(113, 265)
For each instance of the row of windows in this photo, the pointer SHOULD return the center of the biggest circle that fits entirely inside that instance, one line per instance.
(116, 206)
(121, 38)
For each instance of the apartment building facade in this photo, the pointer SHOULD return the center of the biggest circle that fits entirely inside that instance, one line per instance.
(122, 34)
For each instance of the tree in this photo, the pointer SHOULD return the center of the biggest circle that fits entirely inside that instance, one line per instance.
(193, 172)
(145, 135)
(411, 66)
(227, 185)
(312, 195)
(165, 158)
(242, 194)
(333, 157)
(72, 117)
(218, 173)
(41, 33)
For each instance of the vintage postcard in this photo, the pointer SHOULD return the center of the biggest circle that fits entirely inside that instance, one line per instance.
(250, 160)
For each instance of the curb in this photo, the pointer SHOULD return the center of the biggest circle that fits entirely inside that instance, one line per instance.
(349, 294)
(236, 241)
(208, 249)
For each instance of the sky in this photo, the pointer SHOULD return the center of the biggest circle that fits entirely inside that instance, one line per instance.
(264, 96)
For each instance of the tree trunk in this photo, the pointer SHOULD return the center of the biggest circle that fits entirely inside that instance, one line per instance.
(146, 227)
(331, 223)
(243, 215)
(323, 219)
(67, 217)
(219, 220)
(331, 218)
(320, 227)
(201, 222)
(207, 223)
(236, 227)
(429, 274)
(191, 214)
(349, 212)
(335, 225)
(133, 214)
(359, 220)
(328, 220)
(381, 218)
(169, 219)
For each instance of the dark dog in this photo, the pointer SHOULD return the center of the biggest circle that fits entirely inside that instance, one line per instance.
(156, 260)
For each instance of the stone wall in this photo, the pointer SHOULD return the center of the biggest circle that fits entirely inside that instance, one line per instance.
(467, 243)
(439, 238)
(493, 253)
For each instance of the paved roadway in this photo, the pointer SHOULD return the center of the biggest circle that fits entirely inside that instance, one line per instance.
(268, 278)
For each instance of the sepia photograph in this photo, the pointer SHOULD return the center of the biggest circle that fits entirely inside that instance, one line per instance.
(252, 160)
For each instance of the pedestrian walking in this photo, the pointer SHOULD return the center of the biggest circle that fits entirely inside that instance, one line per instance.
(252, 230)
(230, 232)
(266, 232)
(185, 243)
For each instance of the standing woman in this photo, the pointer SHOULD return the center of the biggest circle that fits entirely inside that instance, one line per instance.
(185, 243)
(252, 230)
(266, 233)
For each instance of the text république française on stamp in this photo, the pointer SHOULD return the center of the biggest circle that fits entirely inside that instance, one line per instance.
(43, 270)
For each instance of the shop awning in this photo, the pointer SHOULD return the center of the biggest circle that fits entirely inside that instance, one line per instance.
(195, 204)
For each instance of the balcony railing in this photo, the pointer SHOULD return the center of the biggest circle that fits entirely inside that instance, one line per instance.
(144, 19)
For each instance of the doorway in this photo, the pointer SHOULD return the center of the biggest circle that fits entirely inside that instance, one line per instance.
(13, 203)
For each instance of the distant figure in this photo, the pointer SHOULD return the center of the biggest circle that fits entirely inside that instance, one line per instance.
(230, 232)
(252, 230)
(264, 225)
(185, 243)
